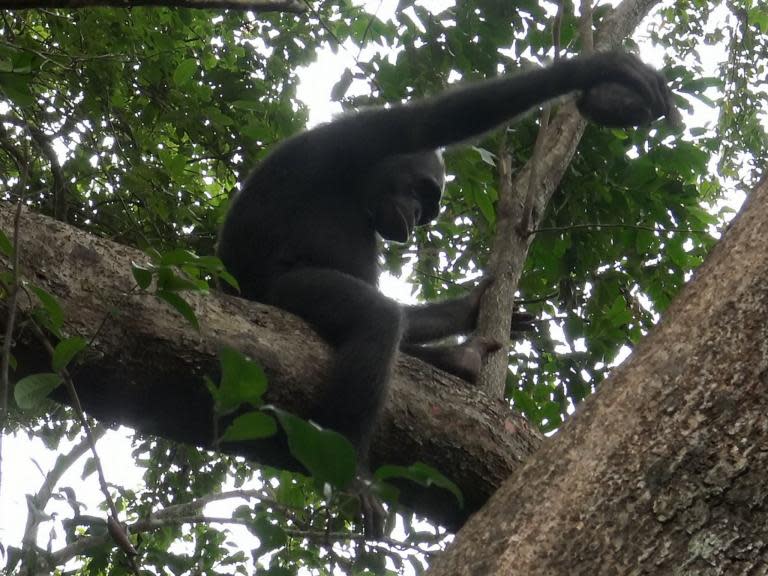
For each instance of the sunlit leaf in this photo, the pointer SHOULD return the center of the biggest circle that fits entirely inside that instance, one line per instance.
(142, 274)
(242, 381)
(32, 390)
(327, 455)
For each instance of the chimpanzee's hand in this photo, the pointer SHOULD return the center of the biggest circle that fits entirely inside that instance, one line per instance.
(472, 301)
(619, 90)
(521, 321)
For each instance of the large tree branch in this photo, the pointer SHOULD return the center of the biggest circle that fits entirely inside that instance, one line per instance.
(147, 365)
(664, 470)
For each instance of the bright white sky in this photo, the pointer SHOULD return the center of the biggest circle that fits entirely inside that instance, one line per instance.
(25, 460)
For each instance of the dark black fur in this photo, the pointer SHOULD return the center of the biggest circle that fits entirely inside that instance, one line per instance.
(302, 234)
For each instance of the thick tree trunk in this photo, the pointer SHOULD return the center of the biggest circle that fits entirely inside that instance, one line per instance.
(665, 469)
(146, 367)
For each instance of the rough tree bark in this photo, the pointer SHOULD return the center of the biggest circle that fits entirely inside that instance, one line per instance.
(663, 470)
(146, 367)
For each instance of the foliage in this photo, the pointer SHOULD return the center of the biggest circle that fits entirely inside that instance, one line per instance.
(137, 124)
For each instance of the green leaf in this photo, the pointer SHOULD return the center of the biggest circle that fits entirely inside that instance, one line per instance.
(421, 474)
(176, 164)
(759, 17)
(618, 314)
(523, 402)
(51, 306)
(259, 131)
(253, 105)
(242, 382)
(66, 350)
(676, 253)
(485, 205)
(154, 254)
(290, 492)
(485, 155)
(17, 88)
(181, 306)
(5, 244)
(279, 571)
(142, 274)
(217, 118)
(327, 455)
(645, 241)
(229, 279)
(88, 468)
(170, 281)
(178, 258)
(701, 216)
(271, 536)
(211, 263)
(184, 71)
(250, 426)
(32, 390)
(339, 90)
(550, 411)
(243, 512)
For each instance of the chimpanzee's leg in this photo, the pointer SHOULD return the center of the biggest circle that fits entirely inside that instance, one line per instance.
(438, 320)
(365, 329)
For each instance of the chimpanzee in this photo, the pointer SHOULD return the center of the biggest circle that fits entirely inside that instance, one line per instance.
(302, 234)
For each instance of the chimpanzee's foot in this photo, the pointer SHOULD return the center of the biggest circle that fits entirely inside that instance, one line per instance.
(463, 360)
(373, 512)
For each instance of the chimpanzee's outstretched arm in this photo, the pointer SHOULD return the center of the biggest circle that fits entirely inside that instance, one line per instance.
(355, 141)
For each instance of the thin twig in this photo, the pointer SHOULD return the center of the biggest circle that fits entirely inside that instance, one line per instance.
(8, 337)
(199, 503)
(626, 226)
(43, 495)
(154, 523)
(70, 386)
(312, 10)
(368, 29)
